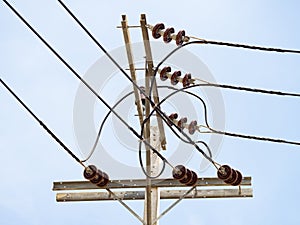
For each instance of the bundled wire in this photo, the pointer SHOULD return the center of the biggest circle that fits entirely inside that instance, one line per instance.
(148, 97)
(140, 137)
(157, 109)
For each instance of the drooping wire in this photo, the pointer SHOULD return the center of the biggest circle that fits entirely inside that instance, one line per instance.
(140, 156)
(84, 82)
(41, 123)
(157, 109)
(212, 130)
(160, 113)
(189, 140)
(102, 125)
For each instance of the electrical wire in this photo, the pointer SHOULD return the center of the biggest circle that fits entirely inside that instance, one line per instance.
(84, 82)
(252, 47)
(102, 125)
(202, 41)
(189, 140)
(140, 157)
(248, 89)
(160, 113)
(42, 123)
(232, 87)
(105, 52)
(212, 130)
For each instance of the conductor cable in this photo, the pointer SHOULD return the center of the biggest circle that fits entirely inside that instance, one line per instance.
(80, 78)
(41, 123)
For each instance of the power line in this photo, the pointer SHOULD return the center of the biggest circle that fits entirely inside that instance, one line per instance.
(85, 83)
(248, 89)
(237, 45)
(224, 132)
(202, 41)
(41, 123)
(157, 109)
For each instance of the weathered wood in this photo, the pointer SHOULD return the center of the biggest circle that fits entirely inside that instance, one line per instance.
(148, 197)
(155, 193)
(150, 66)
(164, 194)
(140, 183)
(132, 68)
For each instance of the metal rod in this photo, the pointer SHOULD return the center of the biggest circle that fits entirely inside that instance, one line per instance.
(126, 206)
(173, 205)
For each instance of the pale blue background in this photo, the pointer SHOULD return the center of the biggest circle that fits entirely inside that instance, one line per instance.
(31, 160)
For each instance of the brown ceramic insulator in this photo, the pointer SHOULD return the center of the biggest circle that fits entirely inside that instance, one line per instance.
(105, 180)
(156, 29)
(173, 116)
(98, 178)
(232, 178)
(193, 180)
(90, 172)
(238, 180)
(179, 172)
(180, 37)
(187, 177)
(167, 34)
(192, 127)
(186, 80)
(163, 73)
(224, 172)
(174, 77)
(182, 122)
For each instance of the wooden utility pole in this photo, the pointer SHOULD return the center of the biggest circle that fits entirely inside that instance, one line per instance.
(155, 135)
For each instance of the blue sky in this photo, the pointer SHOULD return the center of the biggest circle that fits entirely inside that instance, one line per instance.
(31, 160)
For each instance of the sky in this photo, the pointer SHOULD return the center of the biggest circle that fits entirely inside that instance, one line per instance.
(32, 160)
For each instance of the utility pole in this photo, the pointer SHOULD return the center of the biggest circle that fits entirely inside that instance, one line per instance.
(155, 135)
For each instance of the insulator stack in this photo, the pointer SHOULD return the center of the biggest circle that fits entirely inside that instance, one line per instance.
(96, 176)
(184, 175)
(168, 34)
(182, 123)
(174, 77)
(229, 175)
